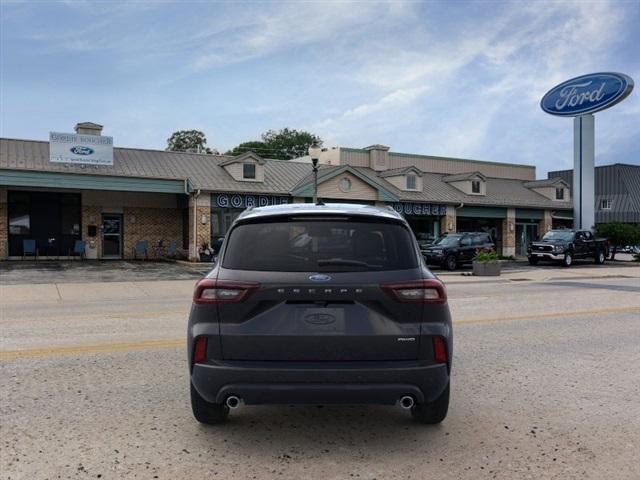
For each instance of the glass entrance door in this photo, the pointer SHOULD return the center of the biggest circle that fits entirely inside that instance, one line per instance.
(525, 234)
(111, 235)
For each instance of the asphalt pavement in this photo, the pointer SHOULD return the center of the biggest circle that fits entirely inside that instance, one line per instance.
(545, 385)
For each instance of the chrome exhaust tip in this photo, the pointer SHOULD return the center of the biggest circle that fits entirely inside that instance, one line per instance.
(406, 402)
(233, 402)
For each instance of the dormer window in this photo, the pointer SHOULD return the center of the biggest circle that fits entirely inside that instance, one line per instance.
(249, 171)
(560, 193)
(475, 186)
(411, 182)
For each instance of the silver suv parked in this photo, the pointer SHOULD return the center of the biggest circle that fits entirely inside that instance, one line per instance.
(320, 304)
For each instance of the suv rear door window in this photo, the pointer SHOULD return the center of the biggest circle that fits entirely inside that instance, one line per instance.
(311, 245)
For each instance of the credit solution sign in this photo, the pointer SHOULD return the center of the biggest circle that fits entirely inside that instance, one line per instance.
(80, 149)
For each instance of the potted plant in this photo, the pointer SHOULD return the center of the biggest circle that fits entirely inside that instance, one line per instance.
(205, 252)
(486, 264)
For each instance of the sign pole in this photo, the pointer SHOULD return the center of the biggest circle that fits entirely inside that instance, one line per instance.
(579, 98)
(583, 172)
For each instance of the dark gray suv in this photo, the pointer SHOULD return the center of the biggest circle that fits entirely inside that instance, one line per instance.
(320, 304)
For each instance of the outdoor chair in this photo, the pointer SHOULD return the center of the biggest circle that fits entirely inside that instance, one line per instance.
(29, 248)
(141, 249)
(172, 249)
(78, 249)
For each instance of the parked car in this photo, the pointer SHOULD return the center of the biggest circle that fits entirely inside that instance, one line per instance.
(564, 246)
(316, 321)
(424, 240)
(629, 249)
(456, 249)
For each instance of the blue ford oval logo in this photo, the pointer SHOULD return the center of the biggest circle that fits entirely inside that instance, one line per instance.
(587, 94)
(319, 277)
(79, 150)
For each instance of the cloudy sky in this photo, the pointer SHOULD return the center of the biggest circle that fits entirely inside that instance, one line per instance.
(448, 78)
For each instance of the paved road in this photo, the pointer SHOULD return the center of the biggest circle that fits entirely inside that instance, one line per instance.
(545, 385)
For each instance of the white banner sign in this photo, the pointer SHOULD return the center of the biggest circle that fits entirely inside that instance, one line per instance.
(85, 149)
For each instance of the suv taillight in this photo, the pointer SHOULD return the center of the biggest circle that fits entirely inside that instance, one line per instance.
(422, 291)
(213, 291)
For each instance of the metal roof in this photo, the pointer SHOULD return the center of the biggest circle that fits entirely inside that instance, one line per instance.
(619, 183)
(205, 172)
(459, 177)
(547, 182)
(202, 170)
(394, 172)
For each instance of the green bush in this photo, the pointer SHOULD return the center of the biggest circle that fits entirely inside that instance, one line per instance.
(486, 257)
(619, 234)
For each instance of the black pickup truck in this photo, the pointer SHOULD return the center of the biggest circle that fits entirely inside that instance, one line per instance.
(565, 246)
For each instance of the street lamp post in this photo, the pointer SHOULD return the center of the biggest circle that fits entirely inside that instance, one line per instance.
(314, 153)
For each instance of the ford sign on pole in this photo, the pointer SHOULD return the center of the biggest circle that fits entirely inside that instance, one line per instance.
(580, 97)
(587, 94)
(80, 149)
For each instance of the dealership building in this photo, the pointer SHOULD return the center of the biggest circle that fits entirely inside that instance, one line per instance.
(79, 187)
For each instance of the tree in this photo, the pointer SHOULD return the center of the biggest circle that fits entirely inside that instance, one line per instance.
(188, 141)
(255, 146)
(619, 234)
(283, 144)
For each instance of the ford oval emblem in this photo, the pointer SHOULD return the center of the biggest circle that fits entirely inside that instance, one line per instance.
(79, 150)
(319, 277)
(587, 94)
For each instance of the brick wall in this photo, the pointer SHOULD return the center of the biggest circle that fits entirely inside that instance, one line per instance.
(4, 225)
(91, 215)
(151, 225)
(202, 206)
(448, 222)
(546, 223)
(509, 233)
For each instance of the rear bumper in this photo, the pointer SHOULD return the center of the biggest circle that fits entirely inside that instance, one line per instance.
(433, 259)
(319, 382)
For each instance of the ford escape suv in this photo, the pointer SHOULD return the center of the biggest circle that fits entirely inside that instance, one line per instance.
(320, 304)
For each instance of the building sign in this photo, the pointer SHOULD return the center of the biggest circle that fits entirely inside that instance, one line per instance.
(80, 149)
(587, 94)
(579, 98)
(420, 209)
(224, 200)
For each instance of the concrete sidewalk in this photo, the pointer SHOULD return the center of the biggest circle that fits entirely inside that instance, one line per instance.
(93, 291)
(87, 271)
(538, 274)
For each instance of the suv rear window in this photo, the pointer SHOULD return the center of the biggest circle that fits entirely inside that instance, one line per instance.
(315, 245)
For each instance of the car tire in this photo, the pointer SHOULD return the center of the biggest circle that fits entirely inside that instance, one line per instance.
(450, 263)
(567, 261)
(205, 412)
(433, 412)
(533, 261)
(600, 257)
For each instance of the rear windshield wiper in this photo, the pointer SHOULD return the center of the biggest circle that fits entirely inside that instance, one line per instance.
(346, 262)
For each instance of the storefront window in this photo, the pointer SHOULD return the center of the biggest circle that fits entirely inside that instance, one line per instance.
(51, 219)
(19, 216)
(70, 214)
